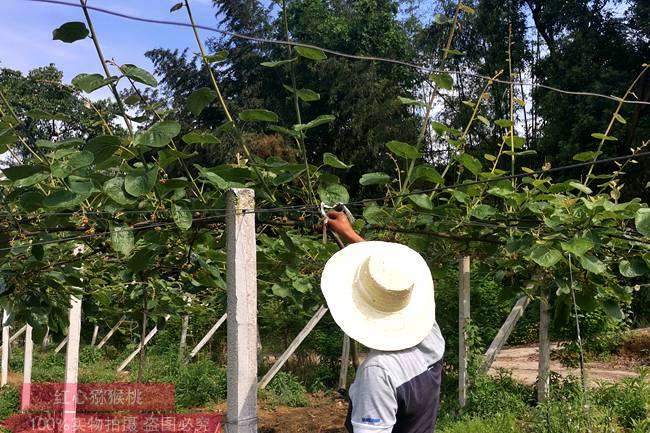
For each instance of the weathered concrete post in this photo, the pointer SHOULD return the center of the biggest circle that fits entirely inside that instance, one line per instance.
(463, 321)
(242, 312)
(72, 365)
(26, 392)
(4, 375)
(543, 374)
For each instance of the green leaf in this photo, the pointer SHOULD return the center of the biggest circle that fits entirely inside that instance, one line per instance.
(70, 32)
(200, 99)
(103, 147)
(421, 200)
(38, 114)
(74, 162)
(333, 193)
(159, 135)
(176, 7)
(21, 171)
(258, 115)
(140, 182)
(167, 156)
(277, 63)
(483, 211)
(443, 81)
(545, 256)
(214, 179)
(280, 291)
(409, 101)
(464, 7)
(376, 178)
(200, 138)
(587, 156)
(504, 123)
(620, 118)
(469, 162)
(634, 267)
(7, 136)
(428, 173)
(581, 187)
(311, 53)
(483, 120)
(320, 120)
(604, 137)
(114, 188)
(402, 149)
(614, 310)
(140, 260)
(122, 239)
(217, 57)
(91, 82)
(331, 160)
(305, 95)
(592, 264)
(442, 19)
(577, 246)
(62, 199)
(641, 221)
(139, 75)
(182, 217)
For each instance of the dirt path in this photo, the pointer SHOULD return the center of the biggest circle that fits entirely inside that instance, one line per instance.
(523, 361)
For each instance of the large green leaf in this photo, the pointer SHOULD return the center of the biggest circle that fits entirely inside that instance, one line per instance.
(577, 246)
(586, 156)
(428, 173)
(200, 99)
(103, 147)
(443, 80)
(73, 162)
(311, 53)
(91, 82)
(320, 120)
(641, 221)
(114, 188)
(140, 182)
(483, 211)
(333, 193)
(182, 217)
(613, 310)
(139, 75)
(306, 95)
(258, 115)
(21, 171)
(331, 160)
(469, 162)
(633, 267)
(403, 149)
(409, 101)
(70, 32)
(122, 239)
(376, 178)
(63, 199)
(277, 63)
(214, 179)
(200, 138)
(545, 256)
(421, 200)
(592, 264)
(159, 135)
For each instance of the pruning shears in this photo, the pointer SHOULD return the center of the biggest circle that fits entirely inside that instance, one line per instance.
(339, 207)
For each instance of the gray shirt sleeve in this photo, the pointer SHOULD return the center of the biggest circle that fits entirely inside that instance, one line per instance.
(374, 402)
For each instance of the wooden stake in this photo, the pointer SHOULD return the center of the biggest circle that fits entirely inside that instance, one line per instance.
(111, 332)
(72, 365)
(26, 391)
(182, 347)
(242, 312)
(504, 333)
(463, 321)
(133, 354)
(94, 338)
(345, 362)
(543, 376)
(207, 337)
(292, 347)
(4, 375)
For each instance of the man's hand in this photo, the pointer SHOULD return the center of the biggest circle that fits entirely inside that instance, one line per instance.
(340, 224)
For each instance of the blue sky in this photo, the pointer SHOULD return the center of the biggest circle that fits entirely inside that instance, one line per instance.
(26, 34)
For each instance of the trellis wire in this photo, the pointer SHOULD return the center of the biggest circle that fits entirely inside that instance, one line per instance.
(338, 53)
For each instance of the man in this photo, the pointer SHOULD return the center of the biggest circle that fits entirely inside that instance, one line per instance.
(381, 294)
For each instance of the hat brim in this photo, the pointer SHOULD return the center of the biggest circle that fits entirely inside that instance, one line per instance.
(358, 319)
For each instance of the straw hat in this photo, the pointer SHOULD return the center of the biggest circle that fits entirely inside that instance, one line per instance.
(380, 294)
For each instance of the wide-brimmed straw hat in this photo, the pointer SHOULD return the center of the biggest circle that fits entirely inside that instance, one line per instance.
(380, 294)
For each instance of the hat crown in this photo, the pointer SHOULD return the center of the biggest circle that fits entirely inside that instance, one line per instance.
(385, 282)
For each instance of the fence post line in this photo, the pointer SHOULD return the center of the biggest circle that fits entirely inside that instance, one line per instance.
(72, 365)
(4, 375)
(345, 362)
(182, 347)
(544, 350)
(111, 332)
(242, 312)
(26, 391)
(463, 321)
